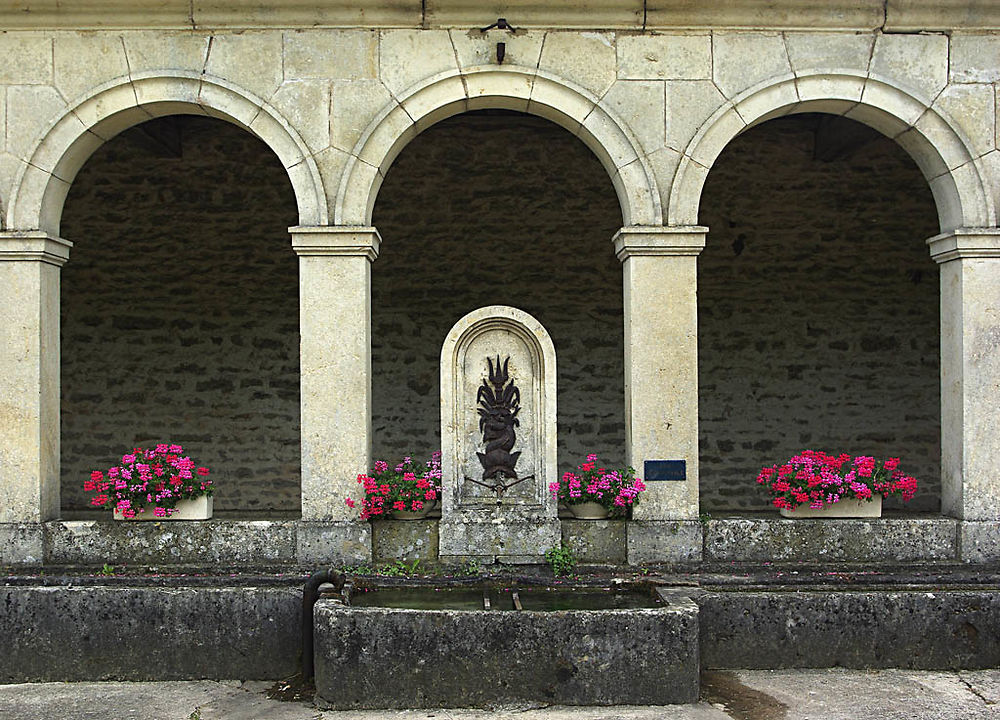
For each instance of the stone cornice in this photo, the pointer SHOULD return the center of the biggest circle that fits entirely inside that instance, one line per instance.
(33, 246)
(890, 15)
(342, 240)
(674, 240)
(965, 243)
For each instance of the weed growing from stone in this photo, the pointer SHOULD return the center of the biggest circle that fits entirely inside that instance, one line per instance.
(562, 559)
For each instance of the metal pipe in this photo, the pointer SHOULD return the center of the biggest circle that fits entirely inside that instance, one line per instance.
(310, 593)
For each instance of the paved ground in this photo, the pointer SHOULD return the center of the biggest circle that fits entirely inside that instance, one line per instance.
(740, 695)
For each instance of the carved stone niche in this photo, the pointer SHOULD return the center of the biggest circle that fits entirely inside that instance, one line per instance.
(498, 437)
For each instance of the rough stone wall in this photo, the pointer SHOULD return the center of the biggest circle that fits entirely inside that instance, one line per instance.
(817, 311)
(507, 209)
(180, 311)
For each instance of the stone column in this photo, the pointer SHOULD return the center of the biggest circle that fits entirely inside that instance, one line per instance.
(335, 326)
(970, 385)
(29, 375)
(661, 384)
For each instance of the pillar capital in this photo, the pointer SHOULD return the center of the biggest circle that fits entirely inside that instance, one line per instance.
(633, 240)
(33, 245)
(342, 240)
(965, 243)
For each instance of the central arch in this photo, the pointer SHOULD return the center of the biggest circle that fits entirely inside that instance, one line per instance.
(531, 91)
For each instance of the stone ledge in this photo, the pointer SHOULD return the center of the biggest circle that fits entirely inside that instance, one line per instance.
(901, 15)
(876, 540)
(210, 542)
(217, 543)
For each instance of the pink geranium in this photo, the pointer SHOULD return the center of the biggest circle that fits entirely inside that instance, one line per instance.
(159, 477)
(817, 479)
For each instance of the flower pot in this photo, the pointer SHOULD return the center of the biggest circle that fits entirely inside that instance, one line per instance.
(589, 511)
(199, 508)
(846, 508)
(414, 514)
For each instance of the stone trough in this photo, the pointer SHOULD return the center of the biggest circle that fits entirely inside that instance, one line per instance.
(488, 646)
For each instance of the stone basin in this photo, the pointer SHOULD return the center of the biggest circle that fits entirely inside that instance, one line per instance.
(492, 646)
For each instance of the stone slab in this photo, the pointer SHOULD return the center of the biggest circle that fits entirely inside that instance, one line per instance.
(458, 658)
(596, 541)
(878, 540)
(979, 542)
(22, 544)
(405, 540)
(212, 542)
(344, 543)
(490, 540)
(74, 633)
(664, 542)
(937, 629)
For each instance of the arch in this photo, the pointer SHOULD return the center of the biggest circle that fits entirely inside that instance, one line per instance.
(955, 174)
(41, 185)
(526, 90)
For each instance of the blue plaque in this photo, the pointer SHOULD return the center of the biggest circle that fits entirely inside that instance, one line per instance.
(664, 470)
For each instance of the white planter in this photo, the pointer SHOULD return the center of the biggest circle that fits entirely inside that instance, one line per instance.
(847, 508)
(199, 508)
(589, 511)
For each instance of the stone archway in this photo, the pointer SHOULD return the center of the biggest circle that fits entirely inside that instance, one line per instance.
(967, 216)
(951, 168)
(41, 186)
(530, 91)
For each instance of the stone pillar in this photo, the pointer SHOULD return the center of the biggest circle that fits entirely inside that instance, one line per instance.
(661, 384)
(29, 375)
(970, 384)
(335, 326)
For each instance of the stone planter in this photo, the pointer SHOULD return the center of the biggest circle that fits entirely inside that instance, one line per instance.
(199, 508)
(414, 515)
(844, 509)
(589, 511)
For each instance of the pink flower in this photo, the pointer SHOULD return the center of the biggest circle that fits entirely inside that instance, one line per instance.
(350, 503)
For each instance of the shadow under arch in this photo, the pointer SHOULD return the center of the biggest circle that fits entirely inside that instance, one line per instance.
(953, 172)
(41, 186)
(522, 89)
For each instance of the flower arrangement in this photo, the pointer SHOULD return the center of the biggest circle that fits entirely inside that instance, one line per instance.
(404, 488)
(818, 480)
(614, 490)
(160, 477)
